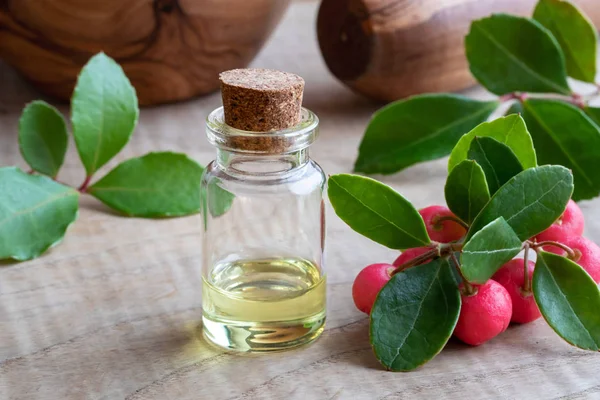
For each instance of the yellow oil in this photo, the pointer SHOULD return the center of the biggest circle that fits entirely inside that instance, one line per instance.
(264, 304)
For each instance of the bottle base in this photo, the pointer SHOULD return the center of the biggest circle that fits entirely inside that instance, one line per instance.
(261, 337)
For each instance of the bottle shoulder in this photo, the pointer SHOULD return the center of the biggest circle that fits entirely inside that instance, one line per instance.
(307, 177)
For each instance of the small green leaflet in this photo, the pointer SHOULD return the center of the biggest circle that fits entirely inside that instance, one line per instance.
(43, 137)
(420, 128)
(488, 249)
(377, 211)
(510, 130)
(414, 316)
(156, 185)
(512, 54)
(35, 213)
(104, 111)
(564, 135)
(497, 160)
(466, 190)
(530, 202)
(574, 32)
(568, 299)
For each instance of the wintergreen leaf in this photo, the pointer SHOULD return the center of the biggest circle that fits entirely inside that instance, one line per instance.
(497, 160)
(564, 135)
(488, 249)
(218, 200)
(574, 32)
(530, 202)
(510, 130)
(43, 137)
(466, 190)
(569, 300)
(155, 185)
(35, 213)
(507, 54)
(414, 316)
(104, 111)
(417, 129)
(594, 114)
(515, 108)
(377, 211)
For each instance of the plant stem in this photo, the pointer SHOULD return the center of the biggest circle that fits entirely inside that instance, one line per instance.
(514, 96)
(468, 287)
(434, 252)
(451, 218)
(526, 280)
(567, 249)
(85, 184)
(575, 99)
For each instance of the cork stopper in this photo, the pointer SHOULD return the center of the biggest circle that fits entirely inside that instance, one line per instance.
(261, 100)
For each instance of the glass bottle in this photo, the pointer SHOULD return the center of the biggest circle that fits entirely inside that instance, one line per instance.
(263, 237)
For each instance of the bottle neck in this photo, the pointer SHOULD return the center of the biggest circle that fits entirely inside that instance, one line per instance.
(260, 164)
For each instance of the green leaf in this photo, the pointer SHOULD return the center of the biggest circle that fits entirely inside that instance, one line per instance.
(564, 135)
(509, 54)
(218, 201)
(530, 202)
(497, 160)
(510, 130)
(104, 111)
(43, 137)
(568, 299)
(488, 249)
(594, 114)
(515, 108)
(466, 190)
(420, 128)
(414, 316)
(35, 213)
(155, 185)
(377, 211)
(575, 34)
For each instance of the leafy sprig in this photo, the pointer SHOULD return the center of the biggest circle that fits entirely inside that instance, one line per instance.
(526, 62)
(36, 209)
(503, 205)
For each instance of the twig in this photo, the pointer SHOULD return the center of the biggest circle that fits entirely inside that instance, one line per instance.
(85, 184)
(468, 287)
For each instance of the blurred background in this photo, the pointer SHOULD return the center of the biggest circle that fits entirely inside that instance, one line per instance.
(173, 50)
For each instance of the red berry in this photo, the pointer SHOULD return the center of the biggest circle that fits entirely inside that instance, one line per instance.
(483, 315)
(587, 253)
(511, 276)
(445, 231)
(368, 283)
(409, 254)
(571, 223)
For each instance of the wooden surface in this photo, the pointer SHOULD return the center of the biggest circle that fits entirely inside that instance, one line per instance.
(112, 312)
(170, 49)
(389, 49)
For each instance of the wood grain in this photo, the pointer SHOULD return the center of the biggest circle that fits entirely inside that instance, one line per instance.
(389, 49)
(113, 311)
(170, 49)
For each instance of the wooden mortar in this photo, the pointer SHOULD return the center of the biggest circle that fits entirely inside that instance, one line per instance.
(389, 49)
(170, 49)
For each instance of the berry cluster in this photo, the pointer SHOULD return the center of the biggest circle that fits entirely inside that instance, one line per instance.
(487, 309)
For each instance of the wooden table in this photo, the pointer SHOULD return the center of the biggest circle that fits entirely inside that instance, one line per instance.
(113, 311)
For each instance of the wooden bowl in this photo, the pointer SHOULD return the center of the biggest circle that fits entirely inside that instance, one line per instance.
(389, 49)
(170, 49)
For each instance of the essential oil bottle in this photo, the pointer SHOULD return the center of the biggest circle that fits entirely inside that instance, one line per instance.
(263, 217)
